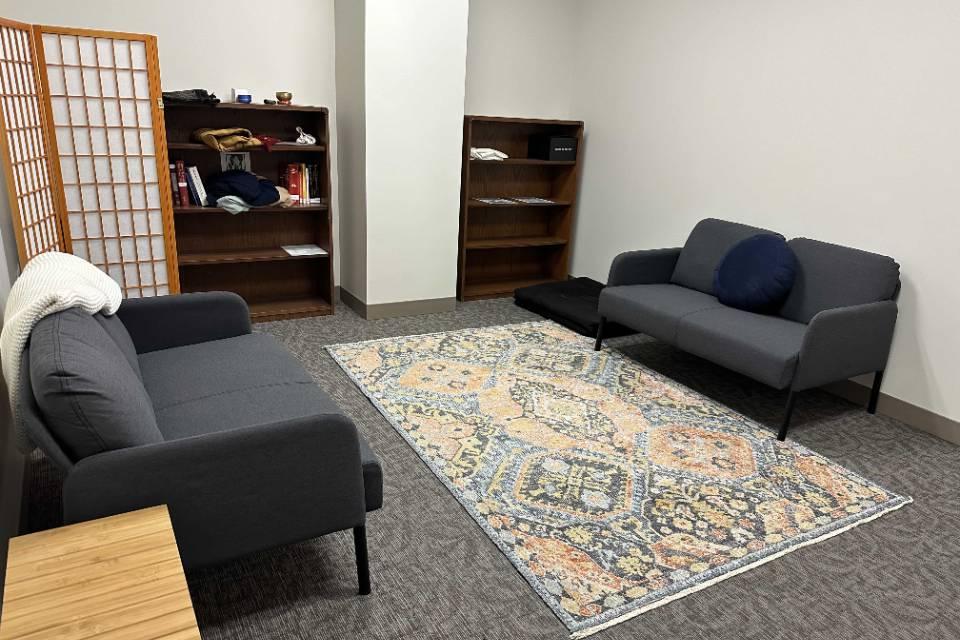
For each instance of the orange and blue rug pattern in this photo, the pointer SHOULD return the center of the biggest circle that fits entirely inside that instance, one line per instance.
(611, 488)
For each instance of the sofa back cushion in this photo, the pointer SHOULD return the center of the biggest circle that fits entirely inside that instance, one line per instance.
(830, 276)
(90, 397)
(706, 246)
(121, 337)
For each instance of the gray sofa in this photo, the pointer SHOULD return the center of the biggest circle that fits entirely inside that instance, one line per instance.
(837, 321)
(174, 401)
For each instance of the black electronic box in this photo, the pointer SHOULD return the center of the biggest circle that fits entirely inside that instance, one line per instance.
(553, 148)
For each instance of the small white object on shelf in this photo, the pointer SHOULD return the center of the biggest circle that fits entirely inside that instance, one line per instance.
(533, 200)
(303, 250)
(495, 200)
(486, 153)
(304, 137)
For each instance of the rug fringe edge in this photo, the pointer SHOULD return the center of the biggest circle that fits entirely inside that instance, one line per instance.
(583, 633)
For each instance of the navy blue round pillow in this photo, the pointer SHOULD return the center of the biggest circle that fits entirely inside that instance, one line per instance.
(756, 274)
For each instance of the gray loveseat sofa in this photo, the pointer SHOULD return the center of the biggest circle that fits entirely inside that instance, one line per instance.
(174, 401)
(837, 321)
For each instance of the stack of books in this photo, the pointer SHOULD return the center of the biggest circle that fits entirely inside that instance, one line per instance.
(303, 183)
(187, 186)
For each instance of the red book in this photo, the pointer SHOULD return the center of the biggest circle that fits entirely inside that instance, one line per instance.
(173, 185)
(182, 183)
(293, 182)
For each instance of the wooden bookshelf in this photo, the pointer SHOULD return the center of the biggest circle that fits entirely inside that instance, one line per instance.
(219, 251)
(507, 246)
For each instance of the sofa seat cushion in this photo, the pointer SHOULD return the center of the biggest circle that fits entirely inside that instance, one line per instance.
(763, 347)
(90, 397)
(654, 309)
(239, 382)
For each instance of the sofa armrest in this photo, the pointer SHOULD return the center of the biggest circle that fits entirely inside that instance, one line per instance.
(164, 322)
(232, 492)
(648, 266)
(845, 342)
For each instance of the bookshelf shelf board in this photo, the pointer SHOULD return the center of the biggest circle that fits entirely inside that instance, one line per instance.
(280, 146)
(497, 288)
(304, 208)
(513, 162)
(476, 204)
(526, 122)
(526, 241)
(292, 308)
(246, 107)
(248, 255)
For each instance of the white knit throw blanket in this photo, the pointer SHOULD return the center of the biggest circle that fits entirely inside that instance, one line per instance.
(50, 282)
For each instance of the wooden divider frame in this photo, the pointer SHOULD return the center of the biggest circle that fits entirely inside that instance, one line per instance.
(33, 171)
(159, 151)
(36, 200)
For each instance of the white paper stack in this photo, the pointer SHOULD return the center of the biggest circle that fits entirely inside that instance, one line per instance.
(303, 250)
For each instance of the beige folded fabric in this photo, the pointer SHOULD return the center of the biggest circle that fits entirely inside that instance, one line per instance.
(230, 139)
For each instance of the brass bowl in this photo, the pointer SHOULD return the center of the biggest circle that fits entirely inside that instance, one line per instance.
(284, 97)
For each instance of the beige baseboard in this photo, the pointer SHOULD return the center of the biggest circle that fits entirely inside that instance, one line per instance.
(395, 309)
(917, 417)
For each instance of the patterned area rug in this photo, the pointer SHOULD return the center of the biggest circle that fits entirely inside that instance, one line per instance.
(612, 489)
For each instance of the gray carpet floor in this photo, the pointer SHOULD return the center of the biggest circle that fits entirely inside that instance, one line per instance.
(437, 575)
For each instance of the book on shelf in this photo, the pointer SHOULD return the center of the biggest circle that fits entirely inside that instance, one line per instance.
(194, 196)
(292, 180)
(182, 183)
(303, 250)
(314, 184)
(173, 185)
(196, 185)
(304, 184)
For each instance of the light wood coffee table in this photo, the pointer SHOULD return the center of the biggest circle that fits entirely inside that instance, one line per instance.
(118, 577)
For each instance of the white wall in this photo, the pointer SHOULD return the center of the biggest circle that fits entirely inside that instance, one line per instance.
(520, 56)
(220, 44)
(832, 119)
(415, 57)
(351, 147)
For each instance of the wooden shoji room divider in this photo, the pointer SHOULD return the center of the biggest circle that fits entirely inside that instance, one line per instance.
(105, 151)
(23, 139)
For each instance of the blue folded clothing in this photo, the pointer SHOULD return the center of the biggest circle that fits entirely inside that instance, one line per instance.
(252, 189)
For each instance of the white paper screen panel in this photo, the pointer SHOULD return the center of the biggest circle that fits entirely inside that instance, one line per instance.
(22, 137)
(100, 101)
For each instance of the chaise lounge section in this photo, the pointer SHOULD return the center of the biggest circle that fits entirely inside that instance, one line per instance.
(836, 323)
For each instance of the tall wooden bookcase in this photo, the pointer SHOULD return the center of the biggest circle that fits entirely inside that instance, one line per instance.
(506, 246)
(242, 253)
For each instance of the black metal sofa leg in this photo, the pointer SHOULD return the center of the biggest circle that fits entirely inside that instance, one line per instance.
(600, 328)
(791, 399)
(875, 392)
(363, 564)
